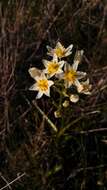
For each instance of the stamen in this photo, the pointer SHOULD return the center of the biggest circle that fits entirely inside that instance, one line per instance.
(70, 75)
(43, 84)
(53, 67)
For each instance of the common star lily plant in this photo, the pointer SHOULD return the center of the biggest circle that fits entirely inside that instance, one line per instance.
(60, 51)
(42, 85)
(53, 67)
(58, 70)
(71, 76)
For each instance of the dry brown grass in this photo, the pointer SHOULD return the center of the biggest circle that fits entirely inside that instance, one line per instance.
(75, 158)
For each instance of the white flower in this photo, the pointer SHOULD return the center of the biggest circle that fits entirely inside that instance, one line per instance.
(53, 67)
(74, 98)
(34, 72)
(42, 85)
(72, 76)
(60, 51)
(86, 87)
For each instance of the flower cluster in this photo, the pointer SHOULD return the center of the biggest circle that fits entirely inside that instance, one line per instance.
(57, 69)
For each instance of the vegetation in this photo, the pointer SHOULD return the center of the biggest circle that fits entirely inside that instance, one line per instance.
(33, 156)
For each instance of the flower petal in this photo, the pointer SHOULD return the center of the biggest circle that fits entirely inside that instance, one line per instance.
(34, 72)
(68, 53)
(86, 87)
(47, 93)
(39, 95)
(34, 87)
(86, 82)
(50, 51)
(80, 74)
(59, 45)
(49, 48)
(86, 92)
(67, 66)
(75, 66)
(45, 70)
(45, 62)
(78, 56)
(50, 83)
(59, 71)
(55, 58)
(69, 48)
(61, 63)
(60, 76)
(78, 85)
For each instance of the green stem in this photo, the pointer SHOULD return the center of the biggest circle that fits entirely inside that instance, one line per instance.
(45, 117)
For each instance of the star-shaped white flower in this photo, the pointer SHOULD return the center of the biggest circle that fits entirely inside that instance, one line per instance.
(42, 85)
(71, 76)
(53, 67)
(86, 87)
(60, 51)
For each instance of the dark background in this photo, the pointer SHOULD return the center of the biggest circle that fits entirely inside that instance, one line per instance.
(29, 148)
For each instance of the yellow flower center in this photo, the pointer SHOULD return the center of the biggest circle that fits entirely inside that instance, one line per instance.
(60, 52)
(70, 75)
(43, 84)
(53, 67)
